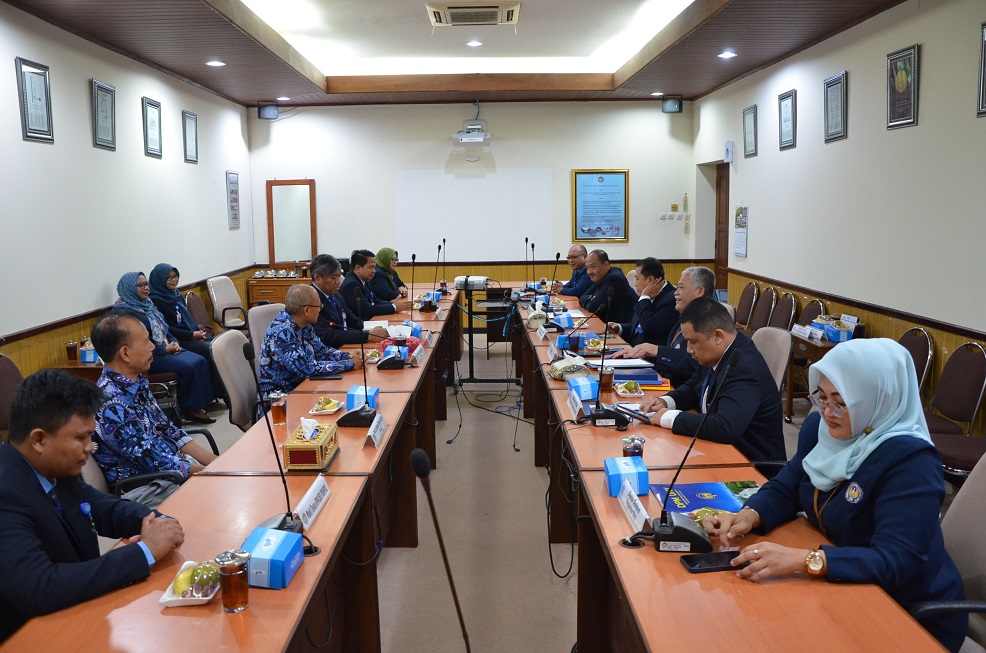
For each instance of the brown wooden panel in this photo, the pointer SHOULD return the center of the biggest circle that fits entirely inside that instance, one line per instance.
(472, 82)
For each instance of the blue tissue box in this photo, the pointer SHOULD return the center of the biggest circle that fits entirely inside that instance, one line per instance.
(586, 387)
(631, 468)
(415, 328)
(561, 342)
(356, 396)
(88, 355)
(835, 335)
(564, 319)
(274, 557)
(544, 299)
(394, 350)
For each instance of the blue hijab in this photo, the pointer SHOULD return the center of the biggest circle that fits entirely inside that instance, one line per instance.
(127, 289)
(160, 292)
(876, 379)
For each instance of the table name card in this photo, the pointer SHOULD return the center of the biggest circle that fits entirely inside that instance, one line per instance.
(419, 355)
(633, 508)
(430, 338)
(575, 405)
(848, 319)
(440, 313)
(542, 332)
(801, 330)
(815, 334)
(377, 429)
(314, 500)
(552, 351)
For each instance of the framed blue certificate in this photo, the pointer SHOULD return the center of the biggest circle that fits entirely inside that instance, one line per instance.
(599, 206)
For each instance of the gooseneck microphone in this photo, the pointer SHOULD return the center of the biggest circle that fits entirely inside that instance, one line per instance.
(286, 521)
(551, 281)
(438, 261)
(675, 531)
(606, 416)
(364, 415)
(533, 273)
(526, 241)
(444, 259)
(411, 291)
(422, 468)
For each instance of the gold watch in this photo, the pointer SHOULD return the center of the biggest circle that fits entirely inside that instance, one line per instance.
(814, 562)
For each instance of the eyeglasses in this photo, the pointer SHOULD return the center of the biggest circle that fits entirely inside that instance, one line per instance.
(172, 277)
(838, 410)
(143, 284)
(572, 258)
(318, 306)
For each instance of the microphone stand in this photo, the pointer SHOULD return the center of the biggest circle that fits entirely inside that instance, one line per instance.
(444, 261)
(533, 280)
(413, 257)
(428, 307)
(554, 271)
(285, 521)
(606, 416)
(364, 415)
(422, 468)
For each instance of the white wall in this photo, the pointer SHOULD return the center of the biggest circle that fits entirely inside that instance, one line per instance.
(74, 218)
(891, 217)
(355, 155)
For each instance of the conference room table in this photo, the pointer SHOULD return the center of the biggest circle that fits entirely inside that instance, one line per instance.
(642, 599)
(329, 593)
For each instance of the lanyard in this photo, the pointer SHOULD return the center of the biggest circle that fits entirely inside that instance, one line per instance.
(819, 511)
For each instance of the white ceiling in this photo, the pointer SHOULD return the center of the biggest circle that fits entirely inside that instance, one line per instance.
(388, 37)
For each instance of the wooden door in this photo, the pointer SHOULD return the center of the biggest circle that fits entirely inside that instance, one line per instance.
(722, 225)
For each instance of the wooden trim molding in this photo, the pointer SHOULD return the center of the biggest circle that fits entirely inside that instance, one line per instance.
(469, 82)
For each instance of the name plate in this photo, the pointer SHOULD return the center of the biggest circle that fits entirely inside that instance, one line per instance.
(633, 508)
(314, 500)
(552, 351)
(575, 405)
(542, 332)
(815, 334)
(430, 338)
(419, 355)
(851, 320)
(377, 429)
(801, 330)
(440, 313)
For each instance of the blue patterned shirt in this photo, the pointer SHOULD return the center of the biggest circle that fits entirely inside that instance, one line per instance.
(133, 435)
(578, 284)
(290, 354)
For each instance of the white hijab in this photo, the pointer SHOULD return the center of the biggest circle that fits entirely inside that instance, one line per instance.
(877, 382)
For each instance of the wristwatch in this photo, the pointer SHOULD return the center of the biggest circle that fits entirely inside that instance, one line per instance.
(814, 562)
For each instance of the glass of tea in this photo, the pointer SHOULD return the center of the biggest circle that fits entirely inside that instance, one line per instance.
(234, 579)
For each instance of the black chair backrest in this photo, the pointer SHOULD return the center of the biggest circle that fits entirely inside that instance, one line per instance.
(917, 342)
(745, 308)
(812, 309)
(763, 309)
(10, 380)
(960, 388)
(783, 314)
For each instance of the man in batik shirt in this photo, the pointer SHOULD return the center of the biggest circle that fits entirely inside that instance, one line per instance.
(292, 351)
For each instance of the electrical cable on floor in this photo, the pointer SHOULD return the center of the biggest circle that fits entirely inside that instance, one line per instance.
(377, 530)
(547, 503)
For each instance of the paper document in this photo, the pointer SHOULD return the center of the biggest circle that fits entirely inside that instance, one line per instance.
(621, 363)
(576, 313)
(370, 324)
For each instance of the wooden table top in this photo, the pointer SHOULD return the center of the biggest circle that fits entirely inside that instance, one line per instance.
(404, 380)
(131, 619)
(698, 612)
(252, 452)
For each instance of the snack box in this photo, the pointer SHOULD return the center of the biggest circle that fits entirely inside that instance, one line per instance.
(564, 319)
(274, 557)
(586, 387)
(837, 335)
(359, 395)
(88, 355)
(631, 468)
(415, 328)
(394, 350)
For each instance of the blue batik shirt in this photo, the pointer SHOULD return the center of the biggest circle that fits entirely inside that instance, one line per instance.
(290, 354)
(133, 435)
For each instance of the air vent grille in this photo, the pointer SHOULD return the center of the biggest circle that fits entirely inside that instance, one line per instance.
(456, 14)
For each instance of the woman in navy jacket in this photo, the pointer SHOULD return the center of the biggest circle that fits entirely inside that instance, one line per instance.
(385, 284)
(868, 477)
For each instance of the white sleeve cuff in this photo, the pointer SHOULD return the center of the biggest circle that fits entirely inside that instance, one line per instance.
(669, 401)
(667, 419)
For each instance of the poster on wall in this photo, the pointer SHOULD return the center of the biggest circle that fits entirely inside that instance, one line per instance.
(599, 206)
(741, 224)
(233, 199)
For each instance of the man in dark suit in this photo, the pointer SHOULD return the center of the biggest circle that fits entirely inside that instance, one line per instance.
(337, 325)
(580, 280)
(743, 407)
(49, 517)
(654, 314)
(607, 281)
(357, 285)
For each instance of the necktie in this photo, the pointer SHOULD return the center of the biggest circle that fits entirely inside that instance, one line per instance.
(705, 390)
(55, 502)
(339, 309)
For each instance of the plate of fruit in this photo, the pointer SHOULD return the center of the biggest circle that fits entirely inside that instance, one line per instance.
(373, 356)
(195, 584)
(593, 344)
(629, 389)
(325, 406)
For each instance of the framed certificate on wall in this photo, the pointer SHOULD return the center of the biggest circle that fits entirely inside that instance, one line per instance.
(599, 206)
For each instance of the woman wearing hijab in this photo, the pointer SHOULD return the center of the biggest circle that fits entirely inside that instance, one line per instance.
(194, 378)
(868, 477)
(385, 284)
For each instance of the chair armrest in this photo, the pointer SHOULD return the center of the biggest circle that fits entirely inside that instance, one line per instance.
(933, 608)
(132, 482)
(207, 435)
(233, 308)
(259, 302)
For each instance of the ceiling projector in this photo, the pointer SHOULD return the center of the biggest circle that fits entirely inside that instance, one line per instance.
(473, 132)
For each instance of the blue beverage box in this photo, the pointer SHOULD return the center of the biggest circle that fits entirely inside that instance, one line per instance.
(356, 397)
(586, 387)
(394, 350)
(415, 328)
(631, 468)
(564, 319)
(274, 557)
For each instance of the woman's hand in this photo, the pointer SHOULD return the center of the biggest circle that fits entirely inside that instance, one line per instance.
(403, 291)
(727, 525)
(198, 335)
(173, 347)
(767, 559)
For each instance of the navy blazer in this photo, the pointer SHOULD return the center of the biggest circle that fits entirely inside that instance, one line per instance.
(652, 320)
(369, 305)
(746, 409)
(380, 285)
(883, 521)
(595, 299)
(578, 284)
(673, 360)
(49, 562)
(329, 327)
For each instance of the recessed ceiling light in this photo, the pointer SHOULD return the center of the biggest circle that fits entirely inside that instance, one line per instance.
(283, 99)
(657, 93)
(474, 44)
(216, 63)
(726, 54)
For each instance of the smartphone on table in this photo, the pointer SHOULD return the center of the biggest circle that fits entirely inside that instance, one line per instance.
(699, 563)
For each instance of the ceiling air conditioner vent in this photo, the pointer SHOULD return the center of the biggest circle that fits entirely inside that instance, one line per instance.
(451, 14)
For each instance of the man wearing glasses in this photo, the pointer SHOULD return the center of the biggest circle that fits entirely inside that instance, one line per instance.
(292, 351)
(580, 280)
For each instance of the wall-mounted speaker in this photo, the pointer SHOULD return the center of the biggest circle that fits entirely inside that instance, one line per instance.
(671, 106)
(267, 112)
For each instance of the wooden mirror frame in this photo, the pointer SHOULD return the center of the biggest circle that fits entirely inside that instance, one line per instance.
(270, 215)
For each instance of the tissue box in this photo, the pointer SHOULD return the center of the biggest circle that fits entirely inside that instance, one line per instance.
(391, 351)
(357, 396)
(315, 453)
(631, 468)
(586, 387)
(544, 299)
(561, 342)
(837, 335)
(274, 557)
(564, 319)
(88, 355)
(434, 295)
(415, 328)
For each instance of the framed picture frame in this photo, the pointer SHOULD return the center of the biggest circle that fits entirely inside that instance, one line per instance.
(34, 98)
(599, 206)
(750, 131)
(151, 110)
(902, 88)
(835, 109)
(787, 119)
(981, 108)
(190, 136)
(103, 115)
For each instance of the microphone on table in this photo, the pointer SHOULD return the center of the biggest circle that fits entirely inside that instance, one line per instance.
(413, 258)
(284, 521)
(426, 304)
(422, 468)
(555, 270)
(533, 280)
(444, 259)
(364, 415)
(606, 416)
(675, 531)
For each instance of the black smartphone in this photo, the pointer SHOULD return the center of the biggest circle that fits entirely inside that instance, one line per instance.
(698, 563)
(325, 377)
